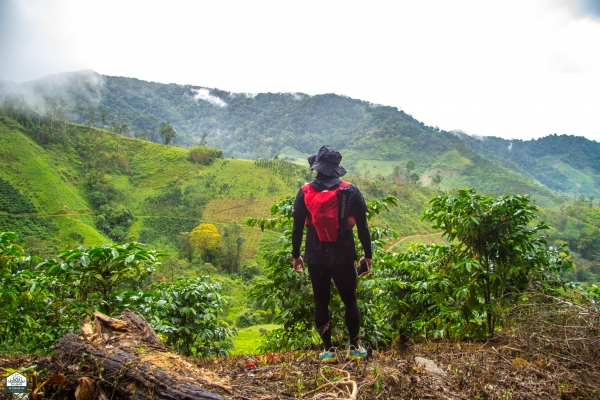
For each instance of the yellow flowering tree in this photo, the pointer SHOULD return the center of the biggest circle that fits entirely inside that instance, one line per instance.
(206, 238)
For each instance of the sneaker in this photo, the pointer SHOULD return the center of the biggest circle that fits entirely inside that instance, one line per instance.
(329, 357)
(356, 354)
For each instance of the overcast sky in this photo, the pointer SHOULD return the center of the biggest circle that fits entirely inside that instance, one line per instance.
(509, 68)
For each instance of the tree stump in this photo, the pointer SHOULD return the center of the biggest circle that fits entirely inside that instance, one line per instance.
(126, 359)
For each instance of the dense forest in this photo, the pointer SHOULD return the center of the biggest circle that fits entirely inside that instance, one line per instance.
(562, 163)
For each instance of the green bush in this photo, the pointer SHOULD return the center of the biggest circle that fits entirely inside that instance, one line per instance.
(249, 270)
(246, 319)
(97, 199)
(249, 317)
(19, 314)
(499, 251)
(114, 220)
(204, 155)
(186, 313)
(41, 303)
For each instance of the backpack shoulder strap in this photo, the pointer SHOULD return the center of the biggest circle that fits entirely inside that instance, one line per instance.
(344, 199)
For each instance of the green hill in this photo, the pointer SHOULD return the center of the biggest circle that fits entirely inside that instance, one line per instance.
(376, 140)
(40, 199)
(77, 184)
(82, 173)
(563, 163)
(30, 168)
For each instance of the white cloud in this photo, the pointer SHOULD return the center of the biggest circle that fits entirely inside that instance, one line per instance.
(204, 94)
(576, 47)
(245, 94)
(298, 96)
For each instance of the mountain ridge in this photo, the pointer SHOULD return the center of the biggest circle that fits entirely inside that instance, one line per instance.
(375, 139)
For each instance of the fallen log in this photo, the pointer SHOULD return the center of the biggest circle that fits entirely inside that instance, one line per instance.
(126, 359)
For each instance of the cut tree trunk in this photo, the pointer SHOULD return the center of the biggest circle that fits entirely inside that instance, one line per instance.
(126, 359)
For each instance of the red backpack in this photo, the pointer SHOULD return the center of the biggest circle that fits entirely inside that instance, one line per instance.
(325, 215)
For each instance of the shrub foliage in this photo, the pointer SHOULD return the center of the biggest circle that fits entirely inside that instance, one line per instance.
(456, 291)
(41, 301)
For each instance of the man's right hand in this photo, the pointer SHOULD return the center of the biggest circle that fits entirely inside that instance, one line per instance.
(298, 265)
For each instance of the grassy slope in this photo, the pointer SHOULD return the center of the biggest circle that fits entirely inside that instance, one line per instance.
(45, 179)
(250, 189)
(583, 179)
(51, 177)
(458, 171)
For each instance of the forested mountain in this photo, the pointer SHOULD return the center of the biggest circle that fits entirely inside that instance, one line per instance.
(66, 184)
(563, 163)
(377, 141)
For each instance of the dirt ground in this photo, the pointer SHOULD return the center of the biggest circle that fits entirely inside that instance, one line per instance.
(464, 371)
(552, 352)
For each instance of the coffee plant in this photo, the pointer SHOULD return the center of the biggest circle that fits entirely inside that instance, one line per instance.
(457, 291)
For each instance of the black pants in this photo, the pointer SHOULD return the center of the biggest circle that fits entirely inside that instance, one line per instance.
(344, 278)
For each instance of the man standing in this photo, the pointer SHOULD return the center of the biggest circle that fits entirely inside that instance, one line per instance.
(328, 259)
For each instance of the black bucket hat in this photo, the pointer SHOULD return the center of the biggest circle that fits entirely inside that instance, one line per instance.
(327, 162)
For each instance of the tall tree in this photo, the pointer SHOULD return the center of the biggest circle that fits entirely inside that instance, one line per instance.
(90, 116)
(410, 165)
(231, 247)
(124, 130)
(186, 247)
(103, 116)
(414, 177)
(203, 139)
(51, 105)
(206, 238)
(436, 179)
(167, 132)
(62, 105)
(396, 170)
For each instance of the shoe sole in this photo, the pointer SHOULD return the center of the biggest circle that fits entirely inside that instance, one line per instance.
(330, 360)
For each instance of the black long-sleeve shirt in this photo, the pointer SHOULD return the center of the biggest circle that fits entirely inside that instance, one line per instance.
(330, 253)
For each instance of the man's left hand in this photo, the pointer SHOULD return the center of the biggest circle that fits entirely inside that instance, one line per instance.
(369, 262)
